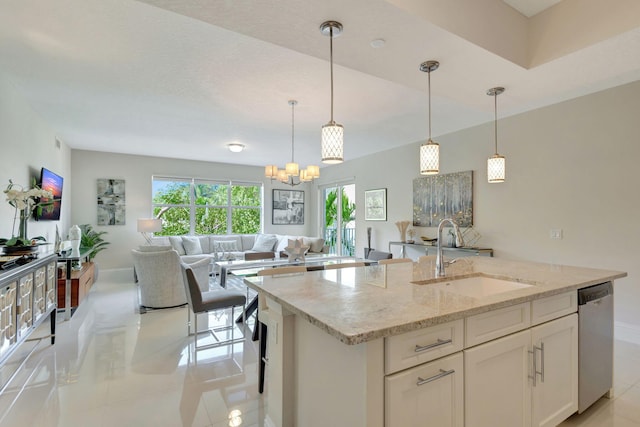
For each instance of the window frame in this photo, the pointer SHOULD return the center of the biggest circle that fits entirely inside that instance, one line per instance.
(192, 206)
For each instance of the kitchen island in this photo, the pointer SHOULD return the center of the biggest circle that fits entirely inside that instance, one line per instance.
(336, 339)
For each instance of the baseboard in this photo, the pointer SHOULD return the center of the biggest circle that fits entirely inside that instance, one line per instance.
(626, 332)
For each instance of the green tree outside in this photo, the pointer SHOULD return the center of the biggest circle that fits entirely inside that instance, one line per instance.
(211, 208)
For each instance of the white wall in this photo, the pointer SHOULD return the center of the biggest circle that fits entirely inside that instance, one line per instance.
(571, 166)
(88, 166)
(27, 144)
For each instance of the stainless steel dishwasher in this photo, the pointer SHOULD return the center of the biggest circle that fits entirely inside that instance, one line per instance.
(595, 343)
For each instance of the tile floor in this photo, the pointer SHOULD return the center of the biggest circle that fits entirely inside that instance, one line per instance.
(111, 366)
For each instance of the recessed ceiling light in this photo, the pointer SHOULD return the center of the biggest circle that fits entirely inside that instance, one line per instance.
(235, 147)
(377, 43)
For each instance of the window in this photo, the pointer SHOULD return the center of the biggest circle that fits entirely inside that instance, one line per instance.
(196, 206)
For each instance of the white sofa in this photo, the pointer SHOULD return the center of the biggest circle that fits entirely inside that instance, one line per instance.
(194, 248)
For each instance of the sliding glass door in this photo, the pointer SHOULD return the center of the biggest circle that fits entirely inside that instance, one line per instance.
(339, 210)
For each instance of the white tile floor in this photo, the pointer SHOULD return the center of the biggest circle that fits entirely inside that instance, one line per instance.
(111, 366)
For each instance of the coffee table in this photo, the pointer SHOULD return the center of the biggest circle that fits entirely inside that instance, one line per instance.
(240, 264)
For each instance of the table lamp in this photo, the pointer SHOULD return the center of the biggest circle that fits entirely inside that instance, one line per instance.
(147, 226)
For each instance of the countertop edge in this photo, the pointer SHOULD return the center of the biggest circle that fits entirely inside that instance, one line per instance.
(359, 338)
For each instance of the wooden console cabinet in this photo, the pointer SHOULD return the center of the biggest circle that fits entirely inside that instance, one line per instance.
(81, 282)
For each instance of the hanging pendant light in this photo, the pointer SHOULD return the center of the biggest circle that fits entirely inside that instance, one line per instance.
(430, 151)
(332, 132)
(496, 164)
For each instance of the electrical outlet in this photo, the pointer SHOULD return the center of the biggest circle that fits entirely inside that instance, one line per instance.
(556, 233)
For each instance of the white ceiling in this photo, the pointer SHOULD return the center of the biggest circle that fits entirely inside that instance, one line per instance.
(182, 78)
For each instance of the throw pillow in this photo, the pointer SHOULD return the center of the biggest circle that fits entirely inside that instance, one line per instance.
(265, 243)
(154, 248)
(191, 245)
(225, 245)
(176, 243)
(316, 244)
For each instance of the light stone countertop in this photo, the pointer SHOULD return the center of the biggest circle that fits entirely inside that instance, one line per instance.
(356, 305)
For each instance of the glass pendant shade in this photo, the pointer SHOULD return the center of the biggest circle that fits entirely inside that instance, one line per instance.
(430, 158)
(496, 169)
(332, 143)
(430, 151)
(332, 133)
(496, 164)
(292, 169)
(271, 171)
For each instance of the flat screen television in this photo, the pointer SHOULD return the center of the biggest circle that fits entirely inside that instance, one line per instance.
(53, 183)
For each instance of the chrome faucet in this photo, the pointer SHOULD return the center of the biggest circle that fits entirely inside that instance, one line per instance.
(440, 264)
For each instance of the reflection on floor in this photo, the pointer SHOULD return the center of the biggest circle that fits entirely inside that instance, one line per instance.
(111, 366)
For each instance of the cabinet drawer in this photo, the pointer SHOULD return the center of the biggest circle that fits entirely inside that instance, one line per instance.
(553, 307)
(497, 323)
(429, 394)
(416, 347)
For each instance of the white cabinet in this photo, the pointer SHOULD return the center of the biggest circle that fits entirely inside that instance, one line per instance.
(525, 379)
(555, 394)
(497, 390)
(428, 394)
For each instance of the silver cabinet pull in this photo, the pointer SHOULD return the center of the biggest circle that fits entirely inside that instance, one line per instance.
(438, 343)
(535, 363)
(541, 362)
(442, 374)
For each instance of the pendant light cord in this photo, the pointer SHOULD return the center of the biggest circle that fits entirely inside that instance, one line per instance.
(495, 121)
(292, 128)
(429, 91)
(331, 61)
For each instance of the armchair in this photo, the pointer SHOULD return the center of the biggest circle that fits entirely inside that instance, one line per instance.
(160, 277)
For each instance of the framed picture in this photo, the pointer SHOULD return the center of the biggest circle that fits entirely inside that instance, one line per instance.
(288, 207)
(111, 201)
(375, 205)
(442, 196)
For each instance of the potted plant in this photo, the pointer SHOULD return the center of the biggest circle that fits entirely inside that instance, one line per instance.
(93, 240)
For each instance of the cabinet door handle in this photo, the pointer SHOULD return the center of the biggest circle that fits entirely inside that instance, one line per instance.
(535, 363)
(541, 362)
(438, 343)
(442, 374)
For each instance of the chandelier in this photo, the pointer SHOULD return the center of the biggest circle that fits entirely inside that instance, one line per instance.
(292, 174)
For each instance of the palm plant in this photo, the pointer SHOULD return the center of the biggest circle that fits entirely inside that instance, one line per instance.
(93, 240)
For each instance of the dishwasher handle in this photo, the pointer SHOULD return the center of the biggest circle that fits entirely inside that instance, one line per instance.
(593, 293)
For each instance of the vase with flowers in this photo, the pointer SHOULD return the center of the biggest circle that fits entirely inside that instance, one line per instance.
(25, 201)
